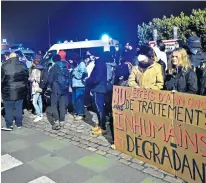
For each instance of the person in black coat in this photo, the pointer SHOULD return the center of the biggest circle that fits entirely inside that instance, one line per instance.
(59, 99)
(98, 84)
(202, 79)
(14, 79)
(180, 76)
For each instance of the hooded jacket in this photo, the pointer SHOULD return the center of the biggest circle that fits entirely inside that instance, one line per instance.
(14, 79)
(152, 77)
(98, 78)
(78, 75)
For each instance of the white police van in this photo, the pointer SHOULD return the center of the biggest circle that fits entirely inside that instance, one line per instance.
(80, 47)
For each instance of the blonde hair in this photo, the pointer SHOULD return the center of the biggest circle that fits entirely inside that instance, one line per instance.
(182, 58)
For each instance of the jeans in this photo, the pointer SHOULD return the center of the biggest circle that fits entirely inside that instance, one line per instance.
(78, 100)
(100, 108)
(37, 102)
(59, 105)
(13, 108)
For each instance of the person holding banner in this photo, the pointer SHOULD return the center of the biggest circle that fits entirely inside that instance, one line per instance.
(180, 75)
(148, 73)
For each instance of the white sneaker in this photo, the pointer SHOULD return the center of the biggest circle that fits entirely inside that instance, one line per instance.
(34, 116)
(39, 118)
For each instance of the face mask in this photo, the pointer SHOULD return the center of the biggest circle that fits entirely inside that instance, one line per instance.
(193, 51)
(141, 58)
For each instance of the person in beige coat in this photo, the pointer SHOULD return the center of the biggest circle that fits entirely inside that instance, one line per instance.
(36, 90)
(148, 73)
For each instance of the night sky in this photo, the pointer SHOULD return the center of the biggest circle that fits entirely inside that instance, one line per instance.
(27, 22)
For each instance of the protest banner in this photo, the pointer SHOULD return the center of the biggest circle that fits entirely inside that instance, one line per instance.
(162, 128)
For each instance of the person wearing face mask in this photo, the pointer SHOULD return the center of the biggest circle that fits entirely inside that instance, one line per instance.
(180, 76)
(148, 73)
(197, 57)
(195, 51)
(128, 53)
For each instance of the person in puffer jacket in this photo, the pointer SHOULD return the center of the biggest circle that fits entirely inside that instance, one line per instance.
(36, 90)
(148, 73)
(78, 76)
(180, 75)
(14, 79)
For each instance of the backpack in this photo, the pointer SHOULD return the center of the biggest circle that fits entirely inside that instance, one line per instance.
(62, 77)
(43, 79)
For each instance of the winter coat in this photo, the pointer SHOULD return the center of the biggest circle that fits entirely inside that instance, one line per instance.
(52, 80)
(98, 79)
(78, 75)
(35, 78)
(184, 81)
(151, 78)
(202, 81)
(14, 80)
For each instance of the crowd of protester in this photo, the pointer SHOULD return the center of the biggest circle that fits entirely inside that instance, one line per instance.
(90, 80)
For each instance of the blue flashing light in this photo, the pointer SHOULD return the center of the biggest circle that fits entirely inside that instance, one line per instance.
(105, 38)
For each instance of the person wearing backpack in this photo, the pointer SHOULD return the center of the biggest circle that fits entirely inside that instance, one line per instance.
(58, 83)
(36, 90)
(78, 75)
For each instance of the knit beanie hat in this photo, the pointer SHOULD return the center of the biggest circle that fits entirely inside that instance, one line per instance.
(62, 54)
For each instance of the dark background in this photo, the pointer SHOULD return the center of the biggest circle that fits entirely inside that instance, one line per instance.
(27, 22)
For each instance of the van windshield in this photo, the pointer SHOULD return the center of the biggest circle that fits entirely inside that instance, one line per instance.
(82, 52)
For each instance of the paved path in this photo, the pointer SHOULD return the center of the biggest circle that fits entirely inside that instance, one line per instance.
(37, 154)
